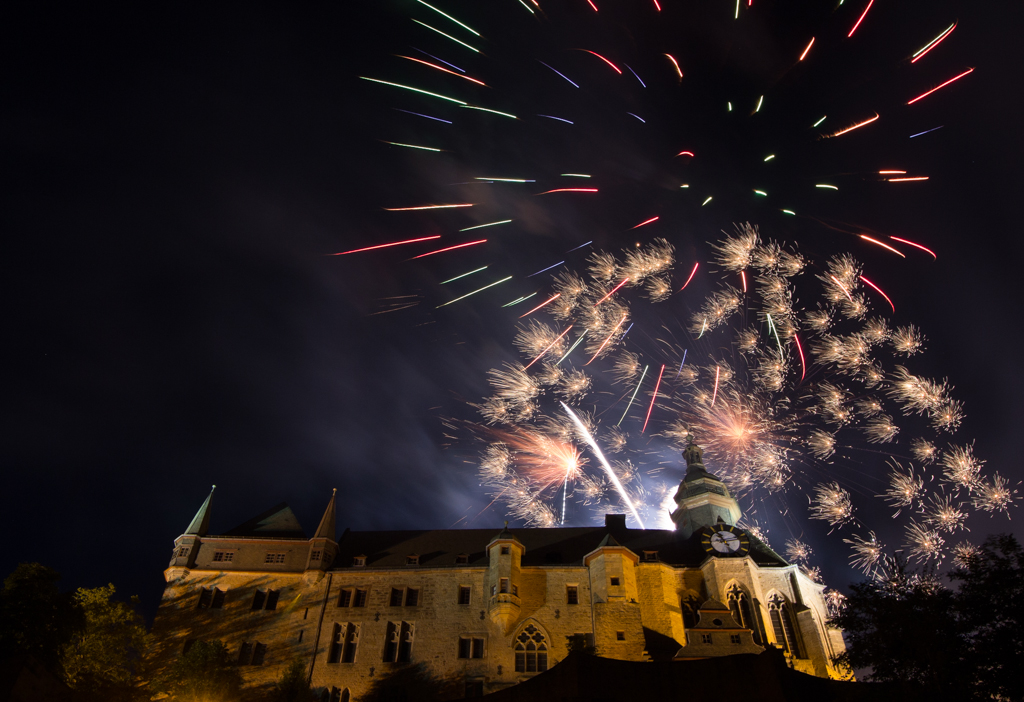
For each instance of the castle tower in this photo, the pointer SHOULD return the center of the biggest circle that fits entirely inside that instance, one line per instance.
(186, 546)
(505, 553)
(618, 625)
(702, 499)
(323, 546)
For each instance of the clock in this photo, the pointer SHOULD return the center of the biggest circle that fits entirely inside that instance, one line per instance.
(725, 540)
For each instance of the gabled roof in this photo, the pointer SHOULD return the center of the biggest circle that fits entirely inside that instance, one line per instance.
(277, 522)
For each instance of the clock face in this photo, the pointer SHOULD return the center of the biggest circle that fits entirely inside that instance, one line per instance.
(725, 540)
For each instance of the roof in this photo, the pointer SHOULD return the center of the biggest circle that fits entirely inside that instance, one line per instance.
(556, 546)
(278, 522)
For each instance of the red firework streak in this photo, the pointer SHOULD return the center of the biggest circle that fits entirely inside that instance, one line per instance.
(549, 347)
(692, 273)
(879, 292)
(384, 246)
(654, 398)
(457, 246)
(803, 363)
(550, 299)
(916, 246)
(624, 281)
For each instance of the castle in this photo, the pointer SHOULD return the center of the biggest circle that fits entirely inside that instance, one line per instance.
(488, 609)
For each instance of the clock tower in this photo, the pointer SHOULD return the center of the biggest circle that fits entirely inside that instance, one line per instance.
(702, 499)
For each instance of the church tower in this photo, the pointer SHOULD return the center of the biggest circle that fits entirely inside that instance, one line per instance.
(702, 499)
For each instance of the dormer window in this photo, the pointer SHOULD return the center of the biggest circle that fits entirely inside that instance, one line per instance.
(651, 556)
(412, 560)
(358, 561)
(462, 559)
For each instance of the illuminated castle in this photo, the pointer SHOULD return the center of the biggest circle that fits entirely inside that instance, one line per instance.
(488, 609)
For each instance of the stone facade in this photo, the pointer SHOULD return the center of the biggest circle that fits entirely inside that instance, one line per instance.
(486, 609)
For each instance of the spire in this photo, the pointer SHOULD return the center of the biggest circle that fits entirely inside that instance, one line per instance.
(326, 530)
(201, 522)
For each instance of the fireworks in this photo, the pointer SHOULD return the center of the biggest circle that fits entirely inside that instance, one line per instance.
(868, 553)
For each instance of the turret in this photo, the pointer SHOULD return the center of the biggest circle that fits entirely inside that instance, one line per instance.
(323, 547)
(505, 553)
(702, 498)
(186, 546)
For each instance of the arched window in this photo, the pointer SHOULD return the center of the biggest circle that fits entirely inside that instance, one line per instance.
(689, 604)
(742, 612)
(531, 651)
(782, 624)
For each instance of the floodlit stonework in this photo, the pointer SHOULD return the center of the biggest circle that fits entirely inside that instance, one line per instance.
(487, 609)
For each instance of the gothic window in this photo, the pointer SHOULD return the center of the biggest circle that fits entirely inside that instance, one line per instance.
(572, 594)
(531, 651)
(398, 642)
(782, 624)
(211, 598)
(464, 594)
(742, 612)
(689, 605)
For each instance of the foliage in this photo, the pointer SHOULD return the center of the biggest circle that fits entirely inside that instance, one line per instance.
(294, 685)
(103, 657)
(411, 683)
(36, 618)
(204, 673)
(942, 643)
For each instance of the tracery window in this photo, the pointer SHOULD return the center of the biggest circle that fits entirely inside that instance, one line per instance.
(531, 651)
(782, 624)
(739, 605)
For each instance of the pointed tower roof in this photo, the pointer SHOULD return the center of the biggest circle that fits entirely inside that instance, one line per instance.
(327, 528)
(201, 522)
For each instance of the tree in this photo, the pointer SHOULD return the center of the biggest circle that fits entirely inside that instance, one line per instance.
(411, 683)
(204, 673)
(294, 685)
(102, 658)
(36, 618)
(942, 643)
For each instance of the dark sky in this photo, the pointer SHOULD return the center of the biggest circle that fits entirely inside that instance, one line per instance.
(174, 176)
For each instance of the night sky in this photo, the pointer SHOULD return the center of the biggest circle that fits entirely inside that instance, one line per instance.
(174, 178)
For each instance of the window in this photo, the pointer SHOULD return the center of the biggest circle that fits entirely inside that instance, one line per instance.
(349, 597)
(515, 589)
(739, 605)
(211, 598)
(572, 594)
(344, 641)
(503, 585)
(470, 647)
(345, 598)
(464, 594)
(614, 582)
(223, 556)
(265, 600)
(462, 559)
(315, 555)
(182, 552)
(531, 651)
(651, 556)
(360, 598)
(252, 653)
(688, 605)
(505, 550)
(398, 642)
(494, 589)
(735, 638)
(782, 624)
(396, 597)
(336, 695)
(412, 597)
(412, 560)
(705, 638)
(359, 561)
(620, 636)
(274, 558)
